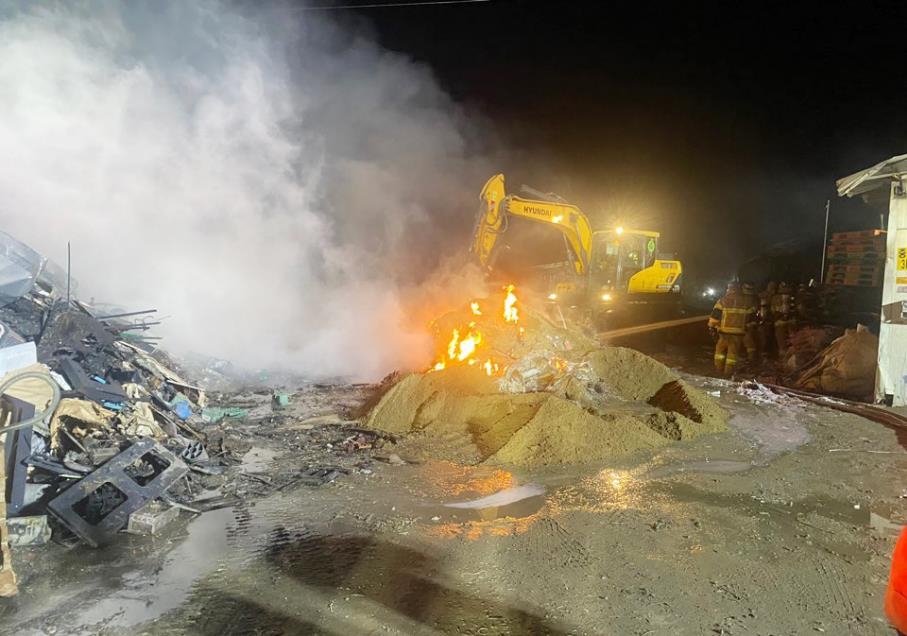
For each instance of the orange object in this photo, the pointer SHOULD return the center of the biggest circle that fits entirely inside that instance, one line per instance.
(896, 595)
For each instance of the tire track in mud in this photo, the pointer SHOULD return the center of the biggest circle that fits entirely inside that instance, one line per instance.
(841, 601)
(558, 547)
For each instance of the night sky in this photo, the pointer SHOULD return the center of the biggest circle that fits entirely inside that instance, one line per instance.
(725, 128)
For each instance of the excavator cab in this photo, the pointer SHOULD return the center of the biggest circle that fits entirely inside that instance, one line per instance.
(626, 276)
(619, 255)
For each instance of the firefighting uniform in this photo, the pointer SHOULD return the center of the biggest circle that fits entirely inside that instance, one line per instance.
(730, 317)
(784, 314)
(765, 320)
(751, 337)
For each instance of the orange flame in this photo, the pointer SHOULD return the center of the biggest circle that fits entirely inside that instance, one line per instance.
(465, 343)
(467, 346)
(452, 345)
(510, 311)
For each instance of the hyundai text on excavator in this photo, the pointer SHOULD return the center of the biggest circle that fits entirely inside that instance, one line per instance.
(616, 277)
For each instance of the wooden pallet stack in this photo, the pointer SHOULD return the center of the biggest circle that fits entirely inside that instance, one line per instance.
(856, 258)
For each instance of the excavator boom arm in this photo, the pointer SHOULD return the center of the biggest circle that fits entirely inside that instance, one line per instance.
(496, 205)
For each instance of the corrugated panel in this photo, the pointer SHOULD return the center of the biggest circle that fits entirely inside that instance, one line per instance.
(872, 178)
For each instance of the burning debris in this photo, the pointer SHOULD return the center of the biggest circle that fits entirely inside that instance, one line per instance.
(524, 391)
(465, 345)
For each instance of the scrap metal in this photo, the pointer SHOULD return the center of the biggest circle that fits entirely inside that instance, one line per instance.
(116, 476)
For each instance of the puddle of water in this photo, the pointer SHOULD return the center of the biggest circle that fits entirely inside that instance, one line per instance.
(774, 430)
(794, 518)
(716, 466)
(501, 498)
(834, 509)
(523, 508)
(141, 596)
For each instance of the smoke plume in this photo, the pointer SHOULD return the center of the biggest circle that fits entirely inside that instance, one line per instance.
(277, 184)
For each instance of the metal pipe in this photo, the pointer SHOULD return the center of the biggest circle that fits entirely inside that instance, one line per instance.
(141, 325)
(825, 241)
(128, 313)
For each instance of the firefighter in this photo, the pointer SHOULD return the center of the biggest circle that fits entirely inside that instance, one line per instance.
(751, 337)
(766, 322)
(784, 314)
(729, 319)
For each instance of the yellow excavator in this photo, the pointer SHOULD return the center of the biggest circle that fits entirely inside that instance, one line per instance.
(616, 275)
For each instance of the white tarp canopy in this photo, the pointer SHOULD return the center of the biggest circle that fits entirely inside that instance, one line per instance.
(878, 176)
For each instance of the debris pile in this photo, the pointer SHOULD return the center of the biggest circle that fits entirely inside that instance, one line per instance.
(494, 333)
(554, 398)
(127, 438)
(845, 368)
(98, 425)
(102, 433)
(805, 344)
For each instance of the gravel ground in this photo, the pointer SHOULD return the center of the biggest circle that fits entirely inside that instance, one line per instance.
(781, 526)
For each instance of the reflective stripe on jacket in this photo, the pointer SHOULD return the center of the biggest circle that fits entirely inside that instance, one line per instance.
(732, 314)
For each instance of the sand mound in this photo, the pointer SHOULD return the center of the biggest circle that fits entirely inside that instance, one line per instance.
(623, 401)
(635, 376)
(417, 397)
(629, 373)
(563, 433)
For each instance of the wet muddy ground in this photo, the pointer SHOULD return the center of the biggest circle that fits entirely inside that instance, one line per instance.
(781, 526)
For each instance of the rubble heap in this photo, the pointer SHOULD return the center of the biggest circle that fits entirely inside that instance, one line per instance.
(120, 431)
(101, 431)
(845, 368)
(549, 396)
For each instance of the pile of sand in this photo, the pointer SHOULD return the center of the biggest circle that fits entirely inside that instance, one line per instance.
(637, 377)
(622, 402)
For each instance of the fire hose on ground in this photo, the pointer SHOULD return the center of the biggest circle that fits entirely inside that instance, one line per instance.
(870, 412)
(31, 375)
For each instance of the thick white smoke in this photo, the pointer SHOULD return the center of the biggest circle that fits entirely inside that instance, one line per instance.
(279, 187)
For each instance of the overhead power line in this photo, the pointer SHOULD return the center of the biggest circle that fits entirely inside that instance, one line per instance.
(382, 5)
